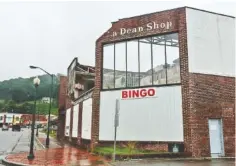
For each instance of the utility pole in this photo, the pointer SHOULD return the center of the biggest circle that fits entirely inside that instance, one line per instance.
(116, 124)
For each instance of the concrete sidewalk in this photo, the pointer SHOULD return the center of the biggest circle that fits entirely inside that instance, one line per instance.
(54, 155)
(23, 144)
(41, 140)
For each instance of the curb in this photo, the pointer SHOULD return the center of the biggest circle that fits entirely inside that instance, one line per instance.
(173, 159)
(191, 159)
(7, 163)
(39, 143)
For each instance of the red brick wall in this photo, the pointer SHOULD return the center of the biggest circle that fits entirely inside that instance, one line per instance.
(155, 147)
(211, 97)
(62, 91)
(62, 95)
(178, 19)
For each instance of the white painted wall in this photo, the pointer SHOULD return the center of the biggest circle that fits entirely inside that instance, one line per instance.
(75, 121)
(87, 119)
(147, 119)
(67, 126)
(211, 43)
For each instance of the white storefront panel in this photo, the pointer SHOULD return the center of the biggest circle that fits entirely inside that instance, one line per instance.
(146, 114)
(67, 126)
(211, 43)
(87, 119)
(75, 121)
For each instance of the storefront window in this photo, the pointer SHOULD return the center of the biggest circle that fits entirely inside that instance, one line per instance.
(142, 62)
(172, 56)
(120, 65)
(145, 61)
(132, 64)
(159, 71)
(108, 66)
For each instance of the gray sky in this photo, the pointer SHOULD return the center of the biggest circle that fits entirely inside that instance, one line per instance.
(50, 35)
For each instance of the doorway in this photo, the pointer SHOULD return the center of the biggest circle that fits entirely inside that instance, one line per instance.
(216, 138)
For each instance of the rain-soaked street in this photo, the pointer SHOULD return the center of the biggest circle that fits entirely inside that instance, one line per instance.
(176, 163)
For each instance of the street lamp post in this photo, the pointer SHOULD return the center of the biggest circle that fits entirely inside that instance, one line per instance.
(31, 153)
(50, 103)
(37, 132)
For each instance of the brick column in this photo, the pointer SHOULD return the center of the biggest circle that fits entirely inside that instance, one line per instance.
(62, 102)
(96, 97)
(80, 123)
(71, 123)
(184, 74)
(61, 124)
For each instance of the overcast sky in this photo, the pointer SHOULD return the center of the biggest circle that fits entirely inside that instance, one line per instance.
(50, 35)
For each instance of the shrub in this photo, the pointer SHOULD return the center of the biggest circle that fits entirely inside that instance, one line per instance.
(131, 146)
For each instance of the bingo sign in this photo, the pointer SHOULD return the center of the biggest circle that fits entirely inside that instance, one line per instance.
(138, 93)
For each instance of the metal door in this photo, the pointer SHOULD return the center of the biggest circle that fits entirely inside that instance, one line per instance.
(216, 138)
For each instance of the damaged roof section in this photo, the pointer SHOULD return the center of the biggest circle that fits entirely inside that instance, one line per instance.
(85, 70)
(81, 79)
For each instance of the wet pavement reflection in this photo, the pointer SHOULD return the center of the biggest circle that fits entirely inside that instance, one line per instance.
(58, 157)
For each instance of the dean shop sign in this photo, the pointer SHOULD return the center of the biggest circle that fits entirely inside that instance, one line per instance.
(148, 27)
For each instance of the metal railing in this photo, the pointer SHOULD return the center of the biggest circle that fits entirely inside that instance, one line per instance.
(84, 96)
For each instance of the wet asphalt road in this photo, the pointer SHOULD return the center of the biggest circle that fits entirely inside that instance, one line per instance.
(7, 140)
(176, 163)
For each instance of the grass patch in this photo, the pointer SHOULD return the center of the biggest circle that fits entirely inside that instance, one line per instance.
(52, 134)
(108, 150)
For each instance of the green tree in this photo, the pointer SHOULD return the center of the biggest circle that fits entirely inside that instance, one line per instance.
(11, 105)
(1, 106)
(27, 108)
(22, 89)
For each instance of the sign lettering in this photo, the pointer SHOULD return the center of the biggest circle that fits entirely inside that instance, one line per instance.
(138, 93)
(148, 27)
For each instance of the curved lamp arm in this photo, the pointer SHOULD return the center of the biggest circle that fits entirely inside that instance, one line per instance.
(35, 67)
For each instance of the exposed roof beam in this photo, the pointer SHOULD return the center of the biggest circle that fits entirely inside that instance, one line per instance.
(159, 44)
(85, 73)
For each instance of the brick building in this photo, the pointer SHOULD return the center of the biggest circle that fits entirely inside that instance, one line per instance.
(173, 74)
